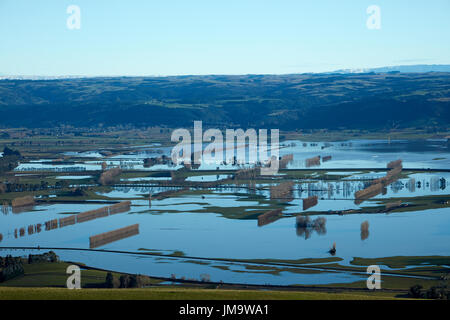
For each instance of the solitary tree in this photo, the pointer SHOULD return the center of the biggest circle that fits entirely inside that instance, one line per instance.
(109, 283)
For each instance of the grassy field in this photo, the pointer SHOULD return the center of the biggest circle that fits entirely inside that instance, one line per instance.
(403, 261)
(54, 275)
(12, 293)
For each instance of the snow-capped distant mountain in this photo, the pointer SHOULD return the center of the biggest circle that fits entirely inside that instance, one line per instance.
(418, 68)
(408, 68)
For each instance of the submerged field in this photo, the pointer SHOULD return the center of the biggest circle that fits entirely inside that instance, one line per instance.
(207, 225)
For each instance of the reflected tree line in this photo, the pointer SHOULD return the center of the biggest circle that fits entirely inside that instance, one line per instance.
(346, 189)
(305, 226)
(327, 190)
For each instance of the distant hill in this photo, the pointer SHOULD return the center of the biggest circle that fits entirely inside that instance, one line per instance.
(304, 101)
(418, 68)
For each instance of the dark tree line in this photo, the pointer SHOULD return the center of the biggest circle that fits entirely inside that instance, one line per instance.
(441, 292)
(9, 160)
(10, 267)
(22, 187)
(124, 281)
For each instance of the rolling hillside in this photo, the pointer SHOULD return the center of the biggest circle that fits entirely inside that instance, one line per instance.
(360, 101)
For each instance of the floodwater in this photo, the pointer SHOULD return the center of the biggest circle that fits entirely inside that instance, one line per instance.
(212, 235)
(355, 154)
(73, 177)
(352, 154)
(221, 223)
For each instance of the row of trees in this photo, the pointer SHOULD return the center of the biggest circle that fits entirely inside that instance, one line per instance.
(9, 160)
(10, 267)
(109, 176)
(138, 281)
(24, 187)
(437, 292)
(124, 281)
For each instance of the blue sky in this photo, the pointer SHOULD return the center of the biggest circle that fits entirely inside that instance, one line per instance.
(170, 37)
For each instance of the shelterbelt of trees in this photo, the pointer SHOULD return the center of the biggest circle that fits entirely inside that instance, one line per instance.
(287, 102)
(9, 160)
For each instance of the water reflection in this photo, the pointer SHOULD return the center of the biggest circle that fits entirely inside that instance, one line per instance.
(269, 217)
(113, 236)
(282, 192)
(305, 226)
(311, 162)
(22, 204)
(364, 230)
(309, 202)
(417, 185)
(5, 208)
(20, 209)
(379, 185)
(55, 223)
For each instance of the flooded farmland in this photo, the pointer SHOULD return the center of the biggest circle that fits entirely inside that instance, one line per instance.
(208, 223)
